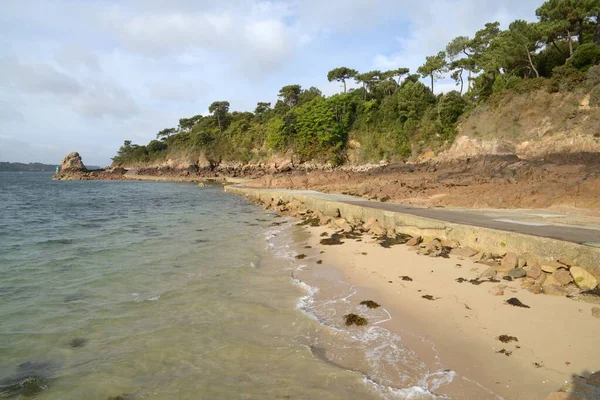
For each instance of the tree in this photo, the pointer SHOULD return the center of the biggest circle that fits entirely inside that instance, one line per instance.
(434, 67)
(397, 73)
(186, 124)
(166, 133)
(563, 19)
(368, 80)
(460, 54)
(341, 74)
(219, 109)
(309, 94)
(523, 38)
(289, 94)
(261, 109)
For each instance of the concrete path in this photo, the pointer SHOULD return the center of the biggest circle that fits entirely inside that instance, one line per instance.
(540, 223)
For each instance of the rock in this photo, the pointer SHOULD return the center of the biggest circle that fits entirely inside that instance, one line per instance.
(563, 396)
(522, 263)
(536, 288)
(201, 184)
(550, 281)
(370, 222)
(343, 224)
(526, 283)
(488, 273)
(554, 290)
(516, 273)
(583, 278)
(492, 264)
(510, 261)
(478, 257)
(463, 252)
(534, 271)
(414, 241)
(594, 379)
(581, 386)
(453, 244)
(596, 313)
(551, 266)
(377, 229)
(565, 261)
(563, 277)
(530, 259)
(72, 163)
(497, 290)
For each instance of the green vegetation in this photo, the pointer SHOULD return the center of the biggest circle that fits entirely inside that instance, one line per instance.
(392, 115)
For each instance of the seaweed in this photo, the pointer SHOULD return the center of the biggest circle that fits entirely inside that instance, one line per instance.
(516, 302)
(300, 256)
(77, 342)
(507, 353)
(429, 297)
(370, 304)
(335, 239)
(319, 262)
(324, 234)
(308, 247)
(364, 253)
(507, 339)
(310, 221)
(28, 387)
(406, 278)
(387, 242)
(353, 319)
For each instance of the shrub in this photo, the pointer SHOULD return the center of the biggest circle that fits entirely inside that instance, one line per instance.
(595, 96)
(585, 56)
(566, 78)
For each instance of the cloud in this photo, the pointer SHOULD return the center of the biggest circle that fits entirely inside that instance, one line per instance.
(38, 78)
(178, 91)
(105, 99)
(76, 55)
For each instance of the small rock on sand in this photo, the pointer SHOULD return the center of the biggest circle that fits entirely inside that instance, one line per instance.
(563, 277)
(497, 290)
(583, 279)
(463, 252)
(534, 271)
(414, 241)
(536, 288)
(510, 261)
(488, 273)
(596, 313)
(516, 273)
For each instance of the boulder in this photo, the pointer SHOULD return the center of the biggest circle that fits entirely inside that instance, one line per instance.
(551, 266)
(72, 163)
(463, 252)
(453, 244)
(526, 283)
(343, 224)
(530, 259)
(583, 278)
(377, 229)
(370, 222)
(565, 261)
(414, 241)
(478, 257)
(510, 261)
(594, 379)
(536, 288)
(488, 273)
(563, 277)
(534, 271)
(551, 281)
(516, 273)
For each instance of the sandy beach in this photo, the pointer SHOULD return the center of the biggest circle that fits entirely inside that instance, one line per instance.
(553, 341)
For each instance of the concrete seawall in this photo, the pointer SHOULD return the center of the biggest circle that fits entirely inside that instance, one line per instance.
(479, 238)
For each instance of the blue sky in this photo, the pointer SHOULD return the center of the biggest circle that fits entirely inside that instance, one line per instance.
(85, 75)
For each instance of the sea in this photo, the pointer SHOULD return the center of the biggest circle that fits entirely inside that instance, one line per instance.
(158, 290)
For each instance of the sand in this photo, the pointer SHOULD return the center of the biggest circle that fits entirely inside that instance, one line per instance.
(557, 337)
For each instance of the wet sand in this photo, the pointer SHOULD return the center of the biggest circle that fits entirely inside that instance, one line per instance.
(459, 328)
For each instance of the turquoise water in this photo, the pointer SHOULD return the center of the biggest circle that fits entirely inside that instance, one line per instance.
(151, 290)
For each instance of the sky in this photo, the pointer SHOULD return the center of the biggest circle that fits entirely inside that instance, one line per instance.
(85, 75)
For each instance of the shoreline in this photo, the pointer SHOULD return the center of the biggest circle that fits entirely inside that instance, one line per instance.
(464, 321)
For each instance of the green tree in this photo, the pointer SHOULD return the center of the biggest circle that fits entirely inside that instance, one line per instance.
(369, 81)
(290, 94)
(434, 67)
(563, 19)
(166, 133)
(261, 110)
(219, 109)
(341, 74)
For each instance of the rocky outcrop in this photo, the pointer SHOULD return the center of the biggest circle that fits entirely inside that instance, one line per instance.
(72, 162)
